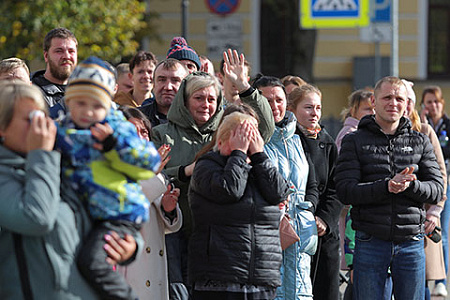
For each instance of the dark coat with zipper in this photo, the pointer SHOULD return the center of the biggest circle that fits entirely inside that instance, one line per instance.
(325, 263)
(236, 217)
(368, 159)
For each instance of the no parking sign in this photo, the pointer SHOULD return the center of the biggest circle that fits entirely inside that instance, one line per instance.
(223, 7)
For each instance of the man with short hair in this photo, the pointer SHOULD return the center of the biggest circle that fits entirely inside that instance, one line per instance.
(387, 172)
(124, 82)
(14, 68)
(168, 76)
(142, 66)
(60, 54)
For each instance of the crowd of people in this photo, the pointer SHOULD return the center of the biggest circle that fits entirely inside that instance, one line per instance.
(165, 180)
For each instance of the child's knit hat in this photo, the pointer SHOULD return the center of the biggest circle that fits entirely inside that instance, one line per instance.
(180, 50)
(93, 78)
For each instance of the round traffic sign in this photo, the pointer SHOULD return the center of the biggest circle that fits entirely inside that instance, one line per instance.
(223, 7)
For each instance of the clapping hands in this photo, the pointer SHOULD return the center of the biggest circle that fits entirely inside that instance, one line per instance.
(401, 181)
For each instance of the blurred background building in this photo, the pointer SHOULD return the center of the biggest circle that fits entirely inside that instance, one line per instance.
(337, 60)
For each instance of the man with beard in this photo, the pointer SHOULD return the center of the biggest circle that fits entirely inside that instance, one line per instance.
(168, 76)
(60, 54)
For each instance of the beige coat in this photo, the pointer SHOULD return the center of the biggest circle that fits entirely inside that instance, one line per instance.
(434, 257)
(147, 275)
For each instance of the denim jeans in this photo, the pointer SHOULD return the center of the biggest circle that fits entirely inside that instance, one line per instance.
(371, 262)
(445, 222)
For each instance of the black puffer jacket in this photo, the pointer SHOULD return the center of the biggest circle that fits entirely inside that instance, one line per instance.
(323, 153)
(236, 217)
(368, 160)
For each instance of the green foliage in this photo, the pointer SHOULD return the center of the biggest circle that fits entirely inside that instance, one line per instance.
(105, 28)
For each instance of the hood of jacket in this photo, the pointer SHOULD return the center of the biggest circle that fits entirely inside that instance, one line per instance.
(288, 130)
(180, 115)
(369, 123)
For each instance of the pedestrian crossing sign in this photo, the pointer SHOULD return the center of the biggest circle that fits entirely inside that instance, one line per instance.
(334, 13)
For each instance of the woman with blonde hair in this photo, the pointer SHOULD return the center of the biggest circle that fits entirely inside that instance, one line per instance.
(359, 105)
(234, 251)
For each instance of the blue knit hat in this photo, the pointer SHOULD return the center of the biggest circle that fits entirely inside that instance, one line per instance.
(94, 78)
(180, 50)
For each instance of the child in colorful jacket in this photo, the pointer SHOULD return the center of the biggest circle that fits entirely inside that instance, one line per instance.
(104, 158)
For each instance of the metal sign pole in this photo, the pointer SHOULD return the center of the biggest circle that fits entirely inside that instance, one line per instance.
(394, 42)
(184, 11)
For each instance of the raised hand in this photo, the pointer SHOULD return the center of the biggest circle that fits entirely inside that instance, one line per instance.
(235, 70)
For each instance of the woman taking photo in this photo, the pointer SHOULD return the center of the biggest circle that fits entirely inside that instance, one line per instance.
(433, 113)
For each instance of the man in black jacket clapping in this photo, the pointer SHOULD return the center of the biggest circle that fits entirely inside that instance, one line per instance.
(387, 172)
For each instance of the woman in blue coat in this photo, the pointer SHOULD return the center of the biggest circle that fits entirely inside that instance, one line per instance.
(286, 152)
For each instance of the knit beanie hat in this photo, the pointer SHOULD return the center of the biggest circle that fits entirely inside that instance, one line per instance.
(409, 89)
(93, 78)
(180, 50)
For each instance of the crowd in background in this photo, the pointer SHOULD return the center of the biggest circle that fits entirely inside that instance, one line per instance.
(166, 180)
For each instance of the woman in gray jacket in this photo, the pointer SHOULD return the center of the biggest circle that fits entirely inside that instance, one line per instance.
(41, 220)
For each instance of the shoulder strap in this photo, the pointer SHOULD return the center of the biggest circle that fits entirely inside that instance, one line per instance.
(23, 270)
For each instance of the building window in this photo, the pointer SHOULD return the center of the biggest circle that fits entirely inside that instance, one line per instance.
(438, 39)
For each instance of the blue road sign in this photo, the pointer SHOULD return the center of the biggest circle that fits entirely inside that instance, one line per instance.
(334, 13)
(382, 11)
(349, 8)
